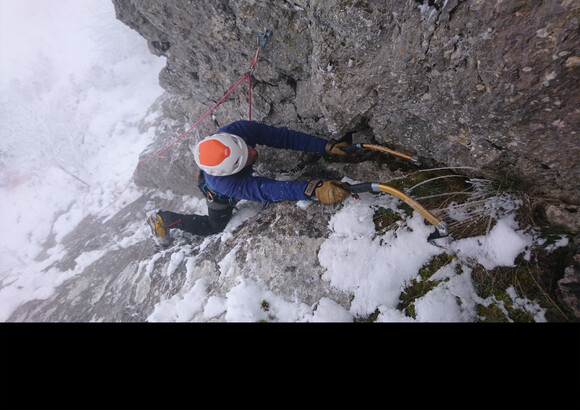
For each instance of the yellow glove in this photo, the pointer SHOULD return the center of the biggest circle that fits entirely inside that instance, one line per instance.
(335, 148)
(327, 192)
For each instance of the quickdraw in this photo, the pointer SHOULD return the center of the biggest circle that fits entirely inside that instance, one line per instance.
(266, 36)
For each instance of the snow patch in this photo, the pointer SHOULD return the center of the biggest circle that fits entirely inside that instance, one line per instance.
(181, 308)
(499, 247)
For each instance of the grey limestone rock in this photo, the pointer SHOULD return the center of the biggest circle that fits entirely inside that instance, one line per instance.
(487, 84)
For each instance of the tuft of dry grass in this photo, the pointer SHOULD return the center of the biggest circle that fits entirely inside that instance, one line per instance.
(471, 203)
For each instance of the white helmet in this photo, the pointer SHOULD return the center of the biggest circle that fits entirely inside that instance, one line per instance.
(221, 154)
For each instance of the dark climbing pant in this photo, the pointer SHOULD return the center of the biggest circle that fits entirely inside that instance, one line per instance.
(215, 221)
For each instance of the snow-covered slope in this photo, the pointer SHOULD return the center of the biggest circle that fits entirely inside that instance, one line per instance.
(75, 84)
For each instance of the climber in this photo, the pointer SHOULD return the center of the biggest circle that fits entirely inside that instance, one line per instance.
(226, 163)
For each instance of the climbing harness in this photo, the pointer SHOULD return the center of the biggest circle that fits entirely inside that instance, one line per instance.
(439, 225)
(213, 196)
(247, 75)
(353, 149)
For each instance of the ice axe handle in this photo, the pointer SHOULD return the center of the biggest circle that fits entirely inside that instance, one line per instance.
(353, 149)
(359, 188)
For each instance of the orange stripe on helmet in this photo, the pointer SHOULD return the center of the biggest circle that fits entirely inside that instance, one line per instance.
(212, 153)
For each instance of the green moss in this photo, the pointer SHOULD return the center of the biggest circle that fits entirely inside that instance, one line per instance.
(502, 309)
(422, 285)
(529, 280)
(492, 313)
(385, 219)
(435, 264)
(265, 305)
(370, 318)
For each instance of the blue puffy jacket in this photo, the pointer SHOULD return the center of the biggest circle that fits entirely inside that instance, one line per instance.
(243, 185)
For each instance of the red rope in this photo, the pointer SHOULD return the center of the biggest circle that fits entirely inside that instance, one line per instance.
(205, 115)
(247, 75)
(255, 59)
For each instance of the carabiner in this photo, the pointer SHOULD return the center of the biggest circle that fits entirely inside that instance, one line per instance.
(266, 36)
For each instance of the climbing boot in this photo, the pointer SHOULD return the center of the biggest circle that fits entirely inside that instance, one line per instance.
(158, 229)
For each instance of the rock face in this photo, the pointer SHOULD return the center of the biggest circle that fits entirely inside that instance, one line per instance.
(477, 83)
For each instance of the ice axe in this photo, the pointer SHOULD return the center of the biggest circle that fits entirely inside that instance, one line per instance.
(352, 149)
(440, 226)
